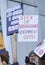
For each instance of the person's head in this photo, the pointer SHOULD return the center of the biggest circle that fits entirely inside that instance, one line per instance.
(30, 63)
(5, 58)
(32, 56)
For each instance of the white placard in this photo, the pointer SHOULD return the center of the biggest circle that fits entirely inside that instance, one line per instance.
(28, 28)
(40, 50)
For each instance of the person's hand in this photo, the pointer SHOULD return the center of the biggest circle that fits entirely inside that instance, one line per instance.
(14, 60)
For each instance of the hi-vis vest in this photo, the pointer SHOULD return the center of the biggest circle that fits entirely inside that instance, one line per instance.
(1, 42)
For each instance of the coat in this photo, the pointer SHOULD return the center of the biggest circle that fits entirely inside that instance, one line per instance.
(16, 63)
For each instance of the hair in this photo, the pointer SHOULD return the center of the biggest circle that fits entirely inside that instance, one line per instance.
(31, 63)
(43, 59)
(5, 57)
(26, 59)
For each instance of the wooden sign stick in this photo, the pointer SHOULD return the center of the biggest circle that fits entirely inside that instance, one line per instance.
(15, 47)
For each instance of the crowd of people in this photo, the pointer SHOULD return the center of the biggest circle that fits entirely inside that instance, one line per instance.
(31, 59)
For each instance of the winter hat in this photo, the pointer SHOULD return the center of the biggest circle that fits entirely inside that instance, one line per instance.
(2, 51)
(32, 52)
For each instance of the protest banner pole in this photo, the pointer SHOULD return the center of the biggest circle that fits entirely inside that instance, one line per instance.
(15, 40)
(15, 46)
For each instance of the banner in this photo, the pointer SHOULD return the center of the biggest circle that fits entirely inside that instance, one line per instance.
(12, 17)
(28, 28)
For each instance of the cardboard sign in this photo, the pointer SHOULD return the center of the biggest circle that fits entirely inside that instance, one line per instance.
(12, 17)
(28, 28)
(40, 50)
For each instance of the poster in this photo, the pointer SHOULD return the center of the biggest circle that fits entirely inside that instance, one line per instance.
(12, 17)
(40, 50)
(28, 28)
